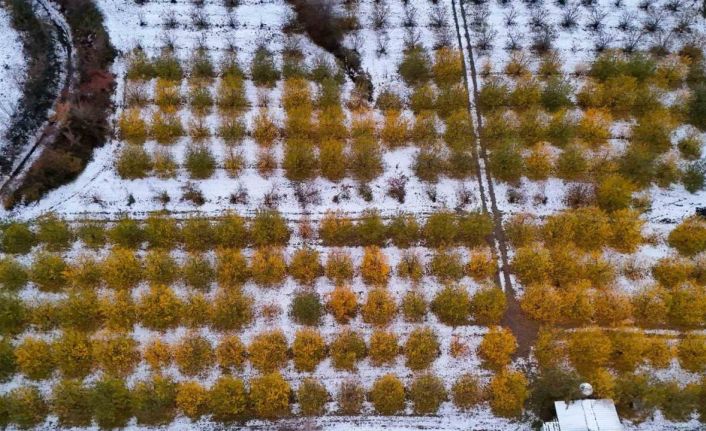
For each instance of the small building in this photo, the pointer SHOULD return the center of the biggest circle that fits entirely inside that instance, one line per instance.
(584, 415)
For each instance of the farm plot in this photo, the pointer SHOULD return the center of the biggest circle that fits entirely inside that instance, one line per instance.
(279, 235)
(214, 113)
(589, 119)
(186, 306)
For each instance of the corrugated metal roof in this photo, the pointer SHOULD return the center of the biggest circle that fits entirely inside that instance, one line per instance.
(551, 426)
(587, 415)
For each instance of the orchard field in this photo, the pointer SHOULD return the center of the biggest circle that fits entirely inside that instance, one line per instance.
(361, 214)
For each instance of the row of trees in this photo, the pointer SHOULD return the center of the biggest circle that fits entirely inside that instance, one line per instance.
(266, 267)
(263, 70)
(447, 97)
(109, 403)
(623, 84)
(76, 354)
(618, 87)
(522, 146)
(157, 400)
(265, 228)
(159, 308)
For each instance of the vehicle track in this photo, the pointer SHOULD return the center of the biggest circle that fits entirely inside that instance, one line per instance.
(524, 329)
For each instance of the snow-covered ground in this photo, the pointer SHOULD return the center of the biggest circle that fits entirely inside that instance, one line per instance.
(12, 71)
(100, 193)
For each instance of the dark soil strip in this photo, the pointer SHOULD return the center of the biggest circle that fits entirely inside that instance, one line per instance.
(42, 79)
(85, 115)
(524, 329)
(326, 29)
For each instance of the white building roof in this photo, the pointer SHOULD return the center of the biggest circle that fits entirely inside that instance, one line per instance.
(587, 415)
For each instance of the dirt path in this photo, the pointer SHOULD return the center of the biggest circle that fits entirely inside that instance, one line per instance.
(524, 329)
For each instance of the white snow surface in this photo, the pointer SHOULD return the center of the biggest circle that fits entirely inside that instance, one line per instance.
(12, 71)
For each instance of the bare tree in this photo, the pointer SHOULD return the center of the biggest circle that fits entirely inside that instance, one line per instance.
(379, 16)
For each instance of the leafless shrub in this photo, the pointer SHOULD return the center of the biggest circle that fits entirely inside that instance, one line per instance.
(382, 42)
(645, 5)
(239, 196)
(96, 199)
(168, 41)
(199, 19)
(634, 269)
(484, 39)
(232, 21)
(570, 17)
(626, 20)
(343, 195)
(464, 196)
(580, 195)
(540, 198)
(379, 16)
(396, 187)
(307, 194)
(683, 24)
(412, 36)
(654, 21)
(516, 196)
(674, 6)
(595, 19)
(602, 41)
(431, 192)
(271, 198)
(661, 43)
(135, 95)
(410, 16)
(538, 19)
(271, 311)
(479, 19)
(162, 197)
(141, 19)
(197, 3)
(442, 37)
(439, 17)
(263, 98)
(357, 41)
(365, 192)
(510, 17)
(514, 41)
(632, 40)
(170, 21)
(191, 193)
(543, 39)
(229, 4)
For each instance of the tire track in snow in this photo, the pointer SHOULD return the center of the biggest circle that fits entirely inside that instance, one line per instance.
(524, 329)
